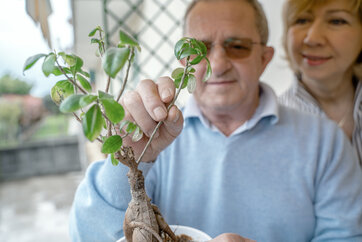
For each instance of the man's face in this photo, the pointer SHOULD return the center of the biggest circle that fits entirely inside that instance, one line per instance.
(234, 81)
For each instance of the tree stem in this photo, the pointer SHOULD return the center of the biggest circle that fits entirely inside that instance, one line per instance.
(168, 109)
(127, 72)
(70, 79)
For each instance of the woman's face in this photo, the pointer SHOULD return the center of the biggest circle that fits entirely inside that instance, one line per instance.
(325, 41)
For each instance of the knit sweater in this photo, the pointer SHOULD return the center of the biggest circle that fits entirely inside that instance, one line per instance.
(290, 177)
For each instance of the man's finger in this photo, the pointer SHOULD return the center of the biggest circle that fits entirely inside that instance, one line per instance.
(166, 89)
(135, 108)
(174, 122)
(148, 92)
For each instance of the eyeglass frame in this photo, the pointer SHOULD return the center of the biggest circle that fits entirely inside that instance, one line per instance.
(250, 42)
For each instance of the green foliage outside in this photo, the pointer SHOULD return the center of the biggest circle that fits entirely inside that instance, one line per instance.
(11, 85)
(100, 111)
(52, 126)
(9, 121)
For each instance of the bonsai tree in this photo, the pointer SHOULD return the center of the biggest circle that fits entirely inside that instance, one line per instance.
(101, 116)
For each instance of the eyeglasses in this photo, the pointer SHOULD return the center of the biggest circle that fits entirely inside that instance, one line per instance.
(235, 48)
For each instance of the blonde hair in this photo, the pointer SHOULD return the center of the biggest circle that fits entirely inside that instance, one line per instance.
(260, 18)
(292, 8)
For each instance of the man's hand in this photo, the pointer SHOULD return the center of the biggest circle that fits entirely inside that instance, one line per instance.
(229, 237)
(147, 106)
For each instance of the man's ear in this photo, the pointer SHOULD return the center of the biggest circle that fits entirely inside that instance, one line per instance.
(267, 56)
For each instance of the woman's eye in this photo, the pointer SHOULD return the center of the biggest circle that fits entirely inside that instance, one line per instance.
(301, 21)
(338, 21)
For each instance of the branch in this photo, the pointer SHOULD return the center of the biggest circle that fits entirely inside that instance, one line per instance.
(108, 84)
(126, 77)
(168, 109)
(70, 79)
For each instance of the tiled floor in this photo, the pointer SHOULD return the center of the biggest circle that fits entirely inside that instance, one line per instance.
(36, 209)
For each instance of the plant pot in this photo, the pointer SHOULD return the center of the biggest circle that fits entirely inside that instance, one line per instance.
(195, 234)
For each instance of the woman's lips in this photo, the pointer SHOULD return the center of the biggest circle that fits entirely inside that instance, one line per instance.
(315, 60)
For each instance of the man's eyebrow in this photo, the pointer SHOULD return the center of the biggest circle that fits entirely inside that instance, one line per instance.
(233, 39)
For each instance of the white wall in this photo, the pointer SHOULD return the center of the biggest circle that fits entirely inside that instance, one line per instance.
(278, 73)
(88, 14)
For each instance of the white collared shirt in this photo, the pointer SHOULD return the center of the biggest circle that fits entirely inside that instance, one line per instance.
(268, 106)
(299, 98)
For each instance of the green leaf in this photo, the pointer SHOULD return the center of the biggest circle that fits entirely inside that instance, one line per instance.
(71, 103)
(188, 51)
(84, 73)
(123, 123)
(77, 67)
(31, 61)
(126, 39)
(113, 109)
(103, 95)
(191, 83)
(69, 59)
(114, 160)
(95, 41)
(137, 135)
(57, 71)
(208, 71)
(92, 122)
(67, 70)
(114, 59)
(112, 144)
(94, 31)
(49, 64)
(84, 82)
(177, 73)
(104, 123)
(87, 99)
(61, 90)
(179, 46)
(199, 46)
(197, 60)
(190, 69)
(131, 127)
(178, 82)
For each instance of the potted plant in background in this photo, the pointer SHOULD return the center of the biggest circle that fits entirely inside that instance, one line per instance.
(102, 116)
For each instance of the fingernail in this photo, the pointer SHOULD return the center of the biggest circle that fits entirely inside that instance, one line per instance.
(176, 118)
(159, 113)
(166, 94)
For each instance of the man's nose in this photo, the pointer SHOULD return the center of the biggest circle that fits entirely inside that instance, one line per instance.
(219, 61)
(315, 34)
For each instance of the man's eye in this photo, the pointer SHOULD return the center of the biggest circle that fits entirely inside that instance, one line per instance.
(208, 45)
(338, 21)
(238, 47)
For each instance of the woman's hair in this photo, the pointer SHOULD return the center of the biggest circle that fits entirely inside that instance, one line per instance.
(292, 8)
(260, 18)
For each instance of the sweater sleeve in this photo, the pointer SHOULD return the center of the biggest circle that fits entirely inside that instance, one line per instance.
(338, 192)
(100, 203)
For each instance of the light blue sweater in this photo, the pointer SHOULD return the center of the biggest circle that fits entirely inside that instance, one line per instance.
(291, 177)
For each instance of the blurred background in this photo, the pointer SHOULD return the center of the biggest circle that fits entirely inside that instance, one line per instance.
(43, 154)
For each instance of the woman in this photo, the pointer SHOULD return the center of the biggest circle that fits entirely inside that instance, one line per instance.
(323, 42)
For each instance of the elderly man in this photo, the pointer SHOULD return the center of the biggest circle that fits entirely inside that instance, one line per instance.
(232, 160)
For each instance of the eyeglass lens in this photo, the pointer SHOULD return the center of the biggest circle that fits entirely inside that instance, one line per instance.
(235, 48)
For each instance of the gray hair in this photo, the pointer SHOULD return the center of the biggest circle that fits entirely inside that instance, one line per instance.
(260, 18)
